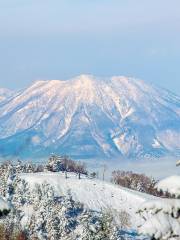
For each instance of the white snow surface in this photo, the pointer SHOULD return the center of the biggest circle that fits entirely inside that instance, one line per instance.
(94, 194)
(170, 184)
(162, 218)
(168, 206)
(4, 204)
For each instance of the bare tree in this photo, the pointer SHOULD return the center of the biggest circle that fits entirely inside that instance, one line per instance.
(135, 181)
(80, 169)
(104, 170)
(93, 175)
(65, 161)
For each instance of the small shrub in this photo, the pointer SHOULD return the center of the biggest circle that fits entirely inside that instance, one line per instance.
(124, 219)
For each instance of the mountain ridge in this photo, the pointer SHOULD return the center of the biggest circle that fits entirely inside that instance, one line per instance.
(5, 93)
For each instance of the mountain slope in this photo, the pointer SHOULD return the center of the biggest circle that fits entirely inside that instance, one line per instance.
(91, 117)
(5, 93)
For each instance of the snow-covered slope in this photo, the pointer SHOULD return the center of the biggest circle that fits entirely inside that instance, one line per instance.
(91, 117)
(171, 185)
(5, 93)
(161, 219)
(94, 194)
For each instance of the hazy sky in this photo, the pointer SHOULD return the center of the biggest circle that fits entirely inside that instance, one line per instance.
(54, 39)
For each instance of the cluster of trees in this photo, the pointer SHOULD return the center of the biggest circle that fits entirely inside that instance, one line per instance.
(55, 164)
(65, 164)
(135, 181)
(63, 218)
(51, 217)
(9, 170)
(161, 216)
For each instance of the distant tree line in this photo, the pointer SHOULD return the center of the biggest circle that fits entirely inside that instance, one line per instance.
(138, 182)
(65, 164)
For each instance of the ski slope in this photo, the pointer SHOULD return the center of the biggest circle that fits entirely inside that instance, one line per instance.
(93, 193)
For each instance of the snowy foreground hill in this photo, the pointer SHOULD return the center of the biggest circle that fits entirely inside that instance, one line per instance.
(90, 117)
(94, 194)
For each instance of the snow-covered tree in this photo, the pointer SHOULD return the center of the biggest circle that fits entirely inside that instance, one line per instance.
(178, 163)
(5, 207)
(22, 195)
(10, 181)
(55, 163)
(97, 226)
(7, 173)
(161, 217)
(53, 218)
(10, 219)
(29, 168)
(57, 218)
(19, 167)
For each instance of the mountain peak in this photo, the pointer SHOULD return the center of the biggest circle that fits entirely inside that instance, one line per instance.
(85, 77)
(84, 81)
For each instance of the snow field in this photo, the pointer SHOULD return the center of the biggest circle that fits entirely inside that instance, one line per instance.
(93, 193)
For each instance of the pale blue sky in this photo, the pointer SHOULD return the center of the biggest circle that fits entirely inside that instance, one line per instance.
(54, 39)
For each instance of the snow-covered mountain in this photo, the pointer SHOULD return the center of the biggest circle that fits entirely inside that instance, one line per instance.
(5, 93)
(91, 117)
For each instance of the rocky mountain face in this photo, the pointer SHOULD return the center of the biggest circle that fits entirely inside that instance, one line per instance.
(90, 117)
